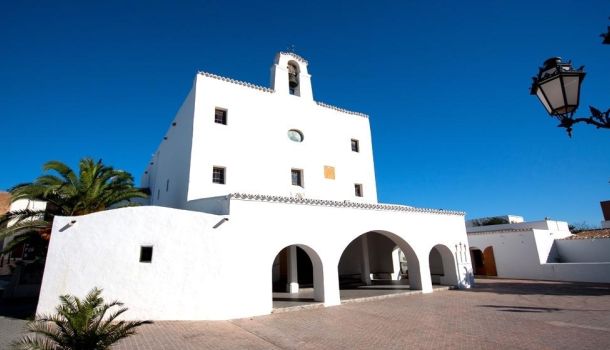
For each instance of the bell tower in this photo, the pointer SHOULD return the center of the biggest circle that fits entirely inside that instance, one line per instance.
(289, 76)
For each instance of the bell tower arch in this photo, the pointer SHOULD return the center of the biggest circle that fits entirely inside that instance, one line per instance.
(289, 76)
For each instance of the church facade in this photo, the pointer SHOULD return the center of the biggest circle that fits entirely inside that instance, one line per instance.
(255, 190)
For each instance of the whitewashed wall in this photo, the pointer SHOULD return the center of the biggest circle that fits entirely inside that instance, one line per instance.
(254, 146)
(199, 272)
(257, 154)
(515, 252)
(532, 254)
(167, 174)
(584, 250)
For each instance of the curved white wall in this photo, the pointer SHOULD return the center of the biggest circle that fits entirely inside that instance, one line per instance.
(199, 272)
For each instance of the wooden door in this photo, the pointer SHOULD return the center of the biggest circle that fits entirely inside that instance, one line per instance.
(490, 262)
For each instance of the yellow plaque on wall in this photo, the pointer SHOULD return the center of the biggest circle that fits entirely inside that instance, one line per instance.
(329, 172)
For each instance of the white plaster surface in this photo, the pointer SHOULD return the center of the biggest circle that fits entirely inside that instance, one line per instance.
(216, 260)
(542, 254)
(198, 272)
(254, 146)
(589, 250)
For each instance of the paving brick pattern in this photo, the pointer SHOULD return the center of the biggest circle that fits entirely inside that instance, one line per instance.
(497, 314)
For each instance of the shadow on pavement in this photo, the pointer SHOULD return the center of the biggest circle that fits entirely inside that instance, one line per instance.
(512, 308)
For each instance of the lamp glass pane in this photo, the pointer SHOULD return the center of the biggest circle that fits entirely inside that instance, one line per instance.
(543, 100)
(554, 95)
(572, 86)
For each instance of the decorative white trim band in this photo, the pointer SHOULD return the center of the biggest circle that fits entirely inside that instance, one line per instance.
(489, 232)
(295, 56)
(322, 104)
(338, 204)
(266, 89)
(238, 82)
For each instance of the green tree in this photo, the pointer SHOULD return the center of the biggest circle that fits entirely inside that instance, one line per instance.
(79, 325)
(95, 187)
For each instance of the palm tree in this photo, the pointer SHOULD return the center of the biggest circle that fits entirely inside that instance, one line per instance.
(79, 324)
(96, 187)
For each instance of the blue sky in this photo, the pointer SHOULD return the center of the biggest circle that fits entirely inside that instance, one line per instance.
(444, 82)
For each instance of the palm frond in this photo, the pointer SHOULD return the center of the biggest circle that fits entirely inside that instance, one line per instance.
(80, 324)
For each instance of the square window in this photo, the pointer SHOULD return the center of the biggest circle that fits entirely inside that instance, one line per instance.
(297, 177)
(358, 190)
(220, 116)
(218, 175)
(146, 254)
(355, 145)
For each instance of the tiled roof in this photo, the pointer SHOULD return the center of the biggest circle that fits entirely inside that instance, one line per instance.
(499, 231)
(295, 56)
(322, 104)
(339, 204)
(266, 89)
(5, 202)
(588, 234)
(238, 82)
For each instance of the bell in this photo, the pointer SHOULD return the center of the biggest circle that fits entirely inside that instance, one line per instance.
(293, 77)
(293, 80)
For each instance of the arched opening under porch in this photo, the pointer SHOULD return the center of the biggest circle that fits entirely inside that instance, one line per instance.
(377, 263)
(442, 266)
(297, 277)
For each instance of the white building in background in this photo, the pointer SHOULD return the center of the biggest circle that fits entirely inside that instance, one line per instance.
(254, 189)
(543, 250)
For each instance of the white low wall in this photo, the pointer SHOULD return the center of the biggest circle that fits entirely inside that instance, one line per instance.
(581, 272)
(531, 254)
(584, 250)
(204, 267)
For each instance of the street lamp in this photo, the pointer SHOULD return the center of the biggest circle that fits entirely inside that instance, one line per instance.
(558, 88)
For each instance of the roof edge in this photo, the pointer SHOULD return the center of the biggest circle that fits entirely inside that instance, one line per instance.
(339, 204)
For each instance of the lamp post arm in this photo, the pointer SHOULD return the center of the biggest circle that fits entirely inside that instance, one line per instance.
(598, 119)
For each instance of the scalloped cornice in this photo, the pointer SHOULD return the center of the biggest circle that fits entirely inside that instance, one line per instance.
(322, 104)
(490, 232)
(295, 56)
(238, 82)
(338, 204)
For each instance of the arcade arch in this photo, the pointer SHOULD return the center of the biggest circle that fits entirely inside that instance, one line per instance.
(378, 258)
(297, 268)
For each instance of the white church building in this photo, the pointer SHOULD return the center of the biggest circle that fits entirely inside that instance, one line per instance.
(254, 190)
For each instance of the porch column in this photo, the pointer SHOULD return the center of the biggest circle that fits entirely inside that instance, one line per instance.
(425, 278)
(365, 268)
(293, 274)
(329, 287)
(396, 264)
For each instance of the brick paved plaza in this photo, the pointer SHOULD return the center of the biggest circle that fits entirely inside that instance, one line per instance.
(497, 314)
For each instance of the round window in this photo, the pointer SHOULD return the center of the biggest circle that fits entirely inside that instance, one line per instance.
(295, 135)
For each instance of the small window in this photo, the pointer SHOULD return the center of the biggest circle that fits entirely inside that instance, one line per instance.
(167, 185)
(146, 254)
(358, 190)
(355, 145)
(297, 177)
(158, 193)
(220, 116)
(218, 175)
